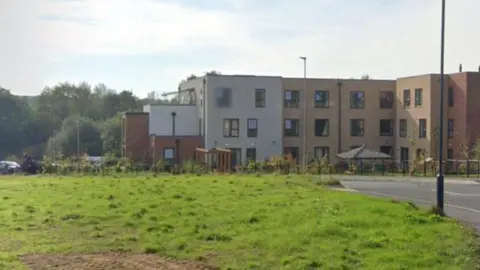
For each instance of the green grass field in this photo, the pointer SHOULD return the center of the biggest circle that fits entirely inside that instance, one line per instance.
(236, 222)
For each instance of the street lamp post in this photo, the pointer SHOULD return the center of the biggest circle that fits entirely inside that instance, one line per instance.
(78, 138)
(440, 178)
(304, 141)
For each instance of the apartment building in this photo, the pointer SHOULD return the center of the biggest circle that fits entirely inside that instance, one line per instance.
(240, 113)
(259, 116)
(337, 115)
(418, 115)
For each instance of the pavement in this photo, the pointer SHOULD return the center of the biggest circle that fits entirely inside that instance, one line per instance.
(462, 198)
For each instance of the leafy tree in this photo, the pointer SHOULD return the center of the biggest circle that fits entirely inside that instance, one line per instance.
(76, 131)
(111, 135)
(15, 123)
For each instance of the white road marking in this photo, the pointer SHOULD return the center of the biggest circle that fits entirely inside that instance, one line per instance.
(460, 194)
(418, 200)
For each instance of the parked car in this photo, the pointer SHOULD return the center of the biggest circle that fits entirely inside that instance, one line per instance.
(9, 167)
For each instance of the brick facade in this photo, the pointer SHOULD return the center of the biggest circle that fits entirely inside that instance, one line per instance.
(135, 136)
(183, 147)
(139, 145)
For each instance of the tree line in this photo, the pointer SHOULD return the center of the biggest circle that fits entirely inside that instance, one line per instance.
(50, 123)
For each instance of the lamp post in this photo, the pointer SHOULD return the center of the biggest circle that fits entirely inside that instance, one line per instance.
(440, 178)
(304, 137)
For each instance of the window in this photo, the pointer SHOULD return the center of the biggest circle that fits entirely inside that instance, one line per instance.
(252, 127)
(293, 151)
(404, 155)
(292, 99)
(260, 98)
(357, 100)
(422, 128)
(321, 152)
(450, 97)
(356, 127)
(223, 97)
(418, 97)
(291, 128)
(406, 98)
(450, 153)
(403, 128)
(169, 156)
(386, 99)
(386, 127)
(386, 150)
(450, 128)
(230, 128)
(321, 127)
(321, 99)
(251, 154)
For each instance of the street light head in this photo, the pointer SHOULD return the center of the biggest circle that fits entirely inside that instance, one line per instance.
(303, 57)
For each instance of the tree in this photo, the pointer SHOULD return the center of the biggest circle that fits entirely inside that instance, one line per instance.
(15, 123)
(111, 135)
(65, 141)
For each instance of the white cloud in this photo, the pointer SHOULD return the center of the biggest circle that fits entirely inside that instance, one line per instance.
(340, 39)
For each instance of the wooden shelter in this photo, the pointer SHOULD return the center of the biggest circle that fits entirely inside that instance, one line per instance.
(219, 159)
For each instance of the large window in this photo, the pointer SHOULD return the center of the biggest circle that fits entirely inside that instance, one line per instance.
(251, 154)
(321, 99)
(321, 152)
(386, 99)
(291, 127)
(450, 97)
(418, 97)
(357, 100)
(403, 128)
(357, 127)
(450, 128)
(223, 97)
(260, 98)
(406, 98)
(386, 127)
(422, 128)
(252, 127)
(231, 128)
(169, 156)
(321, 127)
(293, 151)
(292, 99)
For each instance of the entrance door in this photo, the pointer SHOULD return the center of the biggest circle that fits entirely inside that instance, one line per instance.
(236, 156)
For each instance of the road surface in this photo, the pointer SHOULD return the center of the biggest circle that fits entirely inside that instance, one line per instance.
(462, 199)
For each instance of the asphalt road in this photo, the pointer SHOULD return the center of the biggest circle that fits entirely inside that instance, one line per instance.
(462, 199)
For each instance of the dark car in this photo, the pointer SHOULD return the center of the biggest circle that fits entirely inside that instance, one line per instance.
(9, 167)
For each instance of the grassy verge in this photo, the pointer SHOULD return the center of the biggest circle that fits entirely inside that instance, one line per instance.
(241, 222)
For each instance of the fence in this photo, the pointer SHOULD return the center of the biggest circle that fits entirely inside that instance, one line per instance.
(463, 168)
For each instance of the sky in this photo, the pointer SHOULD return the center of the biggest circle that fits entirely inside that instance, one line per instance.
(151, 45)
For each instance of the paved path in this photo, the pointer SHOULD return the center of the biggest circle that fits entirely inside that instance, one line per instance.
(462, 198)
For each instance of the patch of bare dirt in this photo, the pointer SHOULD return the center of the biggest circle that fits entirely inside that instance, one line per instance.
(107, 261)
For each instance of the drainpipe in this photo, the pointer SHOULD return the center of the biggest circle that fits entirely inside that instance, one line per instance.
(173, 123)
(177, 151)
(339, 85)
(204, 91)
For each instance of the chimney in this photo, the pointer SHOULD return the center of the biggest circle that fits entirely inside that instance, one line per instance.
(460, 68)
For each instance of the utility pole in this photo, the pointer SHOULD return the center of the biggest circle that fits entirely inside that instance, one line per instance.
(304, 160)
(440, 178)
(78, 138)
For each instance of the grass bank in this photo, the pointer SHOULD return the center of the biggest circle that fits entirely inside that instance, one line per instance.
(237, 222)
